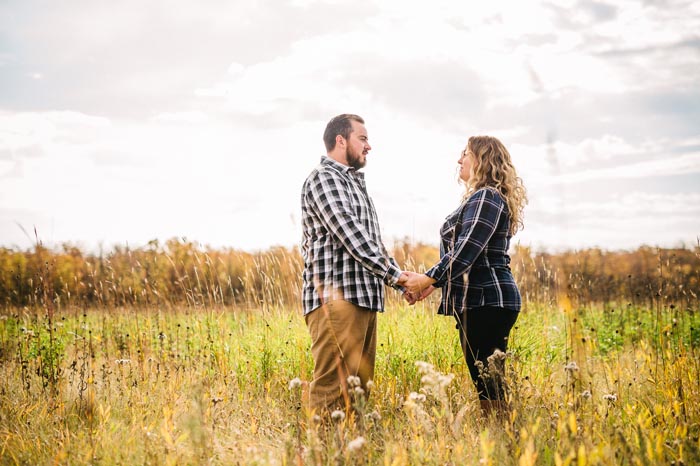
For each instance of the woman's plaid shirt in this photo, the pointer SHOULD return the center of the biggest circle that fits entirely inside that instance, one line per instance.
(474, 267)
(344, 257)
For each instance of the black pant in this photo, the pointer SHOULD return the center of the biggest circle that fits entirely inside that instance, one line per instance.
(482, 330)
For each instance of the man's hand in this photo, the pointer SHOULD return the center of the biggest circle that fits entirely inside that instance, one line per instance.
(417, 283)
(417, 286)
(405, 274)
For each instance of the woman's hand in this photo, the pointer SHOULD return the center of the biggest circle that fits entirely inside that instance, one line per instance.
(426, 292)
(417, 283)
(413, 298)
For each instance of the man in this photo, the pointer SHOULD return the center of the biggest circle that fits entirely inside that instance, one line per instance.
(345, 265)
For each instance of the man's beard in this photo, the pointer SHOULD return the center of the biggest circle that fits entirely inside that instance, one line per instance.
(356, 160)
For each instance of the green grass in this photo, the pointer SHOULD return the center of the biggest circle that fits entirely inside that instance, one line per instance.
(195, 386)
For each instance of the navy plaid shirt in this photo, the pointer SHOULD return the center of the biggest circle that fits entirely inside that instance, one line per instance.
(344, 257)
(474, 267)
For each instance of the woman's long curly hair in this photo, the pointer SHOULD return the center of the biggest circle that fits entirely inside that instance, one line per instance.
(493, 168)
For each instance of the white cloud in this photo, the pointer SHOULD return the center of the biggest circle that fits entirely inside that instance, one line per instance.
(166, 119)
(614, 223)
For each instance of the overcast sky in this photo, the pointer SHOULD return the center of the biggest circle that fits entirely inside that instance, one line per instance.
(122, 122)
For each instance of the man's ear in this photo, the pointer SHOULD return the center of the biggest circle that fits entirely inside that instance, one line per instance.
(339, 139)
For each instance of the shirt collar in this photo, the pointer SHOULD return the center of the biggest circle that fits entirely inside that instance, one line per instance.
(343, 168)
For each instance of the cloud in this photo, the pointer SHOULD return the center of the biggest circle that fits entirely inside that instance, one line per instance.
(599, 11)
(129, 58)
(614, 223)
(684, 164)
(605, 159)
(191, 120)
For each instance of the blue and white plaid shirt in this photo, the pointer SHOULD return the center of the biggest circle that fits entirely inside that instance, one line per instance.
(344, 257)
(474, 267)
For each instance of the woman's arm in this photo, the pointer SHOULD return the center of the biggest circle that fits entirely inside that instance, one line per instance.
(479, 222)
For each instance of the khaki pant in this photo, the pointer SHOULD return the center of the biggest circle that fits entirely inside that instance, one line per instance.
(343, 343)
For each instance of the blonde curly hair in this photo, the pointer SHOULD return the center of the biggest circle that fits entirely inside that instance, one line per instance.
(493, 168)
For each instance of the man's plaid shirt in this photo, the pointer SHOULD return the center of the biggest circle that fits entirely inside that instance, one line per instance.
(344, 257)
(474, 267)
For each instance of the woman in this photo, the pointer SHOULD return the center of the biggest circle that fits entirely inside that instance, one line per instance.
(477, 285)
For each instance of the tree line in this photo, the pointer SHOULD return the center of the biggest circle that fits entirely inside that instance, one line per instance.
(180, 272)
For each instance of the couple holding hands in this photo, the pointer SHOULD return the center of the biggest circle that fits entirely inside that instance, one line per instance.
(346, 265)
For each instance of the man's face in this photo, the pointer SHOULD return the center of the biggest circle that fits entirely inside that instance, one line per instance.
(357, 146)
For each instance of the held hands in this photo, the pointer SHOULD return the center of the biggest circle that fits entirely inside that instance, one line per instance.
(418, 286)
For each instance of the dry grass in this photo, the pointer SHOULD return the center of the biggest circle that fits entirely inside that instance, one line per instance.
(196, 386)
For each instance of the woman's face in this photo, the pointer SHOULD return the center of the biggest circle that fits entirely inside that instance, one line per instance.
(466, 163)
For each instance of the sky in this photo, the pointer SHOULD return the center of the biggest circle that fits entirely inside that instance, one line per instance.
(124, 122)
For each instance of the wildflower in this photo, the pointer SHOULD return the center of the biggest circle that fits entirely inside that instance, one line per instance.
(375, 416)
(497, 355)
(571, 367)
(359, 391)
(370, 385)
(611, 397)
(416, 397)
(216, 400)
(586, 394)
(445, 380)
(354, 381)
(338, 415)
(122, 361)
(294, 383)
(356, 444)
(161, 336)
(316, 419)
(424, 367)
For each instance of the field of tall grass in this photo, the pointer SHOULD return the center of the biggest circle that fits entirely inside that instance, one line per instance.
(212, 366)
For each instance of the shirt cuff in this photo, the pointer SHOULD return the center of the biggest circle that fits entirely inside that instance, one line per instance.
(437, 274)
(392, 276)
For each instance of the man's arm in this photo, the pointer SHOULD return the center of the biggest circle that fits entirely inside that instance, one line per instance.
(337, 213)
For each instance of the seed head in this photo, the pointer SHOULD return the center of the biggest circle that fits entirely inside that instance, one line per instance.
(571, 367)
(354, 381)
(338, 415)
(424, 367)
(497, 355)
(357, 444)
(294, 383)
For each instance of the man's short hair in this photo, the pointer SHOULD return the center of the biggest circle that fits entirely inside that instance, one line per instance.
(341, 124)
